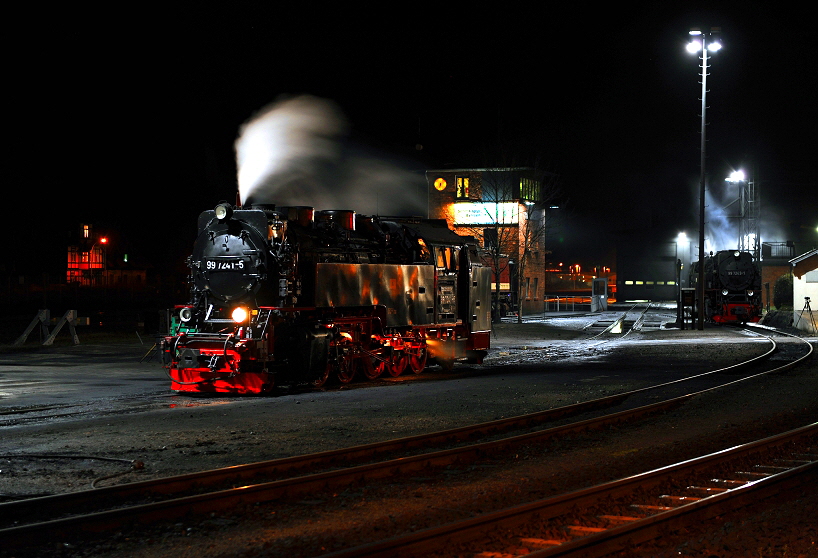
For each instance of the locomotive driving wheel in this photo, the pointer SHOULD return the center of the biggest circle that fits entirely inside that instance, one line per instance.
(323, 376)
(347, 366)
(375, 364)
(417, 356)
(398, 363)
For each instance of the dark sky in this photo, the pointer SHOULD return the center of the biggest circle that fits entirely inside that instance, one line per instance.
(127, 119)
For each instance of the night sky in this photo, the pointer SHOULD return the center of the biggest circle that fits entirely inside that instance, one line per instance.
(128, 119)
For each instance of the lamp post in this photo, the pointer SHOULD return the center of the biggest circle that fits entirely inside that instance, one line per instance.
(699, 44)
(681, 238)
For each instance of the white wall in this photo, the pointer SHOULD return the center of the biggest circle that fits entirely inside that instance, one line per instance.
(806, 286)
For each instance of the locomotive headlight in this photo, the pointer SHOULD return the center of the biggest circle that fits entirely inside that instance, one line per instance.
(185, 314)
(736, 254)
(724, 292)
(240, 314)
(223, 211)
(750, 293)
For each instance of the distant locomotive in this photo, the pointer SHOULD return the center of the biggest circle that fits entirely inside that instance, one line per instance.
(298, 296)
(732, 286)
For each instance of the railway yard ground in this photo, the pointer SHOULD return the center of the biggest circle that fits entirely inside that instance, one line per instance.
(72, 415)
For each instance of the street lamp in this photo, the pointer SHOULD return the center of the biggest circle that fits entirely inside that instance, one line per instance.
(699, 43)
(681, 238)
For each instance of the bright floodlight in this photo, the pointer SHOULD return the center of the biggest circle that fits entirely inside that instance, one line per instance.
(681, 238)
(736, 176)
(714, 46)
(694, 46)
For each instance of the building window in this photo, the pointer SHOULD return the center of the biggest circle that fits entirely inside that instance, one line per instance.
(462, 183)
(529, 189)
(490, 239)
(534, 293)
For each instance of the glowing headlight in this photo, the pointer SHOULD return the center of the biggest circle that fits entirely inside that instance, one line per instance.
(736, 254)
(724, 292)
(223, 211)
(240, 314)
(749, 293)
(185, 314)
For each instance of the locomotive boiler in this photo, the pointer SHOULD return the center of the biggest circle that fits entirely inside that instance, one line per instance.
(297, 296)
(732, 286)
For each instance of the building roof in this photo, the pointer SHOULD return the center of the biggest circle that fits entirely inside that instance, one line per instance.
(805, 263)
(804, 256)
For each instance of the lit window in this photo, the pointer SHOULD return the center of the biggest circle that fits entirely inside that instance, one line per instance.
(462, 186)
(529, 189)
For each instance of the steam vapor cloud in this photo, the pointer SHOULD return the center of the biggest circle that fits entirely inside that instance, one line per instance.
(722, 220)
(297, 152)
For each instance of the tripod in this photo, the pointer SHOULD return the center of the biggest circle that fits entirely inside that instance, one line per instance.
(807, 309)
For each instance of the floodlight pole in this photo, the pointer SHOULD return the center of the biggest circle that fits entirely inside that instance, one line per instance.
(703, 149)
(700, 284)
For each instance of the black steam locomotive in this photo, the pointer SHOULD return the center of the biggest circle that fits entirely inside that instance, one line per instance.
(732, 286)
(298, 296)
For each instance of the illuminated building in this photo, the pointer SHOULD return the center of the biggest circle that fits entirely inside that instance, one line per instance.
(86, 260)
(89, 263)
(505, 210)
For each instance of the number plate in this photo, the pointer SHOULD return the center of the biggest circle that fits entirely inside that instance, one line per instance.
(225, 264)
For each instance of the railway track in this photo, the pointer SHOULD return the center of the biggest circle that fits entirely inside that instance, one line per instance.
(619, 515)
(61, 516)
(629, 320)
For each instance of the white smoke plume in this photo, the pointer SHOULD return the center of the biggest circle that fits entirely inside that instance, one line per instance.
(297, 152)
(721, 224)
(723, 221)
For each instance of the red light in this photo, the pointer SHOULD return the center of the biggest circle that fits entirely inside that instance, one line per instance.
(103, 240)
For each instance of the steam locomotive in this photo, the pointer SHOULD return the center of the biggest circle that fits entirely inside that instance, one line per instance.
(732, 286)
(291, 295)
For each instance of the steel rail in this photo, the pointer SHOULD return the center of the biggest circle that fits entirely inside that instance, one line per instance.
(638, 530)
(223, 499)
(620, 320)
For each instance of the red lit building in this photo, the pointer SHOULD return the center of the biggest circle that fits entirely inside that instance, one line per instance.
(89, 264)
(86, 260)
